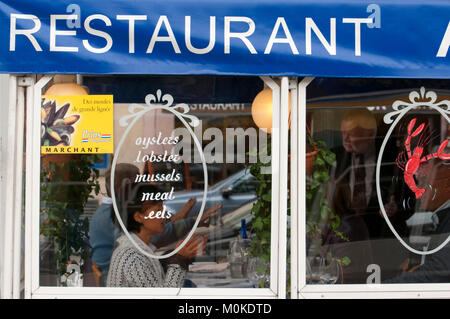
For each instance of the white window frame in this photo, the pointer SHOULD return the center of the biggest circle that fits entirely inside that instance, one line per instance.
(14, 88)
(8, 153)
(278, 231)
(299, 288)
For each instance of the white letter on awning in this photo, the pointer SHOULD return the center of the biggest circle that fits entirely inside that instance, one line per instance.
(131, 19)
(54, 32)
(101, 34)
(240, 35)
(273, 37)
(28, 33)
(330, 47)
(156, 37)
(357, 23)
(212, 36)
(443, 49)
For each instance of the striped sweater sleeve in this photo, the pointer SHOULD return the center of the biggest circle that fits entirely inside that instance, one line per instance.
(136, 270)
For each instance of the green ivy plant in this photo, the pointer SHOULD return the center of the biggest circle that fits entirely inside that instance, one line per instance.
(261, 210)
(319, 214)
(62, 204)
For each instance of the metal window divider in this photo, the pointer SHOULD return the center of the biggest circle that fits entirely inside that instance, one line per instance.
(293, 85)
(283, 187)
(274, 280)
(279, 166)
(32, 198)
(22, 83)
(9, 198)
(298, 243)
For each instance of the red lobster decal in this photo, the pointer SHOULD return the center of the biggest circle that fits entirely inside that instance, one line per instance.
(411, 164)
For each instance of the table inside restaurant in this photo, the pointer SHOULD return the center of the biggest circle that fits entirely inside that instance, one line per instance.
(214, 275)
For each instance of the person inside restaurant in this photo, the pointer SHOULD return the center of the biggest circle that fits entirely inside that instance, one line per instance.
(435, 267)
(129, 266)
(104, 230)
(366, 237)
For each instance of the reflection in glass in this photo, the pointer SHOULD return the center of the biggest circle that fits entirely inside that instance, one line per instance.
(227, 132)
(345, 220)
(319, 270)
(257, 271)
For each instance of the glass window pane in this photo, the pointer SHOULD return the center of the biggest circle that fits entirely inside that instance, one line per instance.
(158, 190)
(357, 127)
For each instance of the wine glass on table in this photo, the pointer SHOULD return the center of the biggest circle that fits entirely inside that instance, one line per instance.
(257, 271)
(319, 270)
(330, 272)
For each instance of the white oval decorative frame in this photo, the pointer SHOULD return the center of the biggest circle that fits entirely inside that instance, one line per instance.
(401, 108)
(194, 121)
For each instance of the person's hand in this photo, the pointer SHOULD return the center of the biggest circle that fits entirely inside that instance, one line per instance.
(194, 247)
(184, 211)
(390, 208)
(206, 215)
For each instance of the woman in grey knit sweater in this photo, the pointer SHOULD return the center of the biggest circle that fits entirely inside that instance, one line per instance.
(131, 268)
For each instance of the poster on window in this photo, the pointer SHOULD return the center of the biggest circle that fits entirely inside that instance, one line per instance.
(72, 125)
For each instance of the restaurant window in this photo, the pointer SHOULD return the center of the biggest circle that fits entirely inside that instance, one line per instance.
(182, 168)
(377, 194)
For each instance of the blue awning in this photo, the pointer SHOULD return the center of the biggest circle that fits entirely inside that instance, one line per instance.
(327, 38)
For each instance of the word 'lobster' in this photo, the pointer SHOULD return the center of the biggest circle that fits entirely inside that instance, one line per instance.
(415, 158)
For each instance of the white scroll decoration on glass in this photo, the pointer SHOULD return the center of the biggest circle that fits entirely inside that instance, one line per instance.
(164, 102)
(401, 108)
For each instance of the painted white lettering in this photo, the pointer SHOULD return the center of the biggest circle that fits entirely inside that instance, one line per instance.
(443, 49)
(329, 46)
(156, 37)
(158, 214)
(212, 36)
(27, 32)
(131, 22)
(357, 23)
(101, 34)
(152, 157)
(54, 32)
(240, 35)
(273, 37)
(158, 196)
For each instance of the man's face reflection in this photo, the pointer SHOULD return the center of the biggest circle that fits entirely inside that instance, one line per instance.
(435, 179)
(356, 139)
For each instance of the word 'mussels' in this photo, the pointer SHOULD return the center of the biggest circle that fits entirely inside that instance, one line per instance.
(158, 177)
